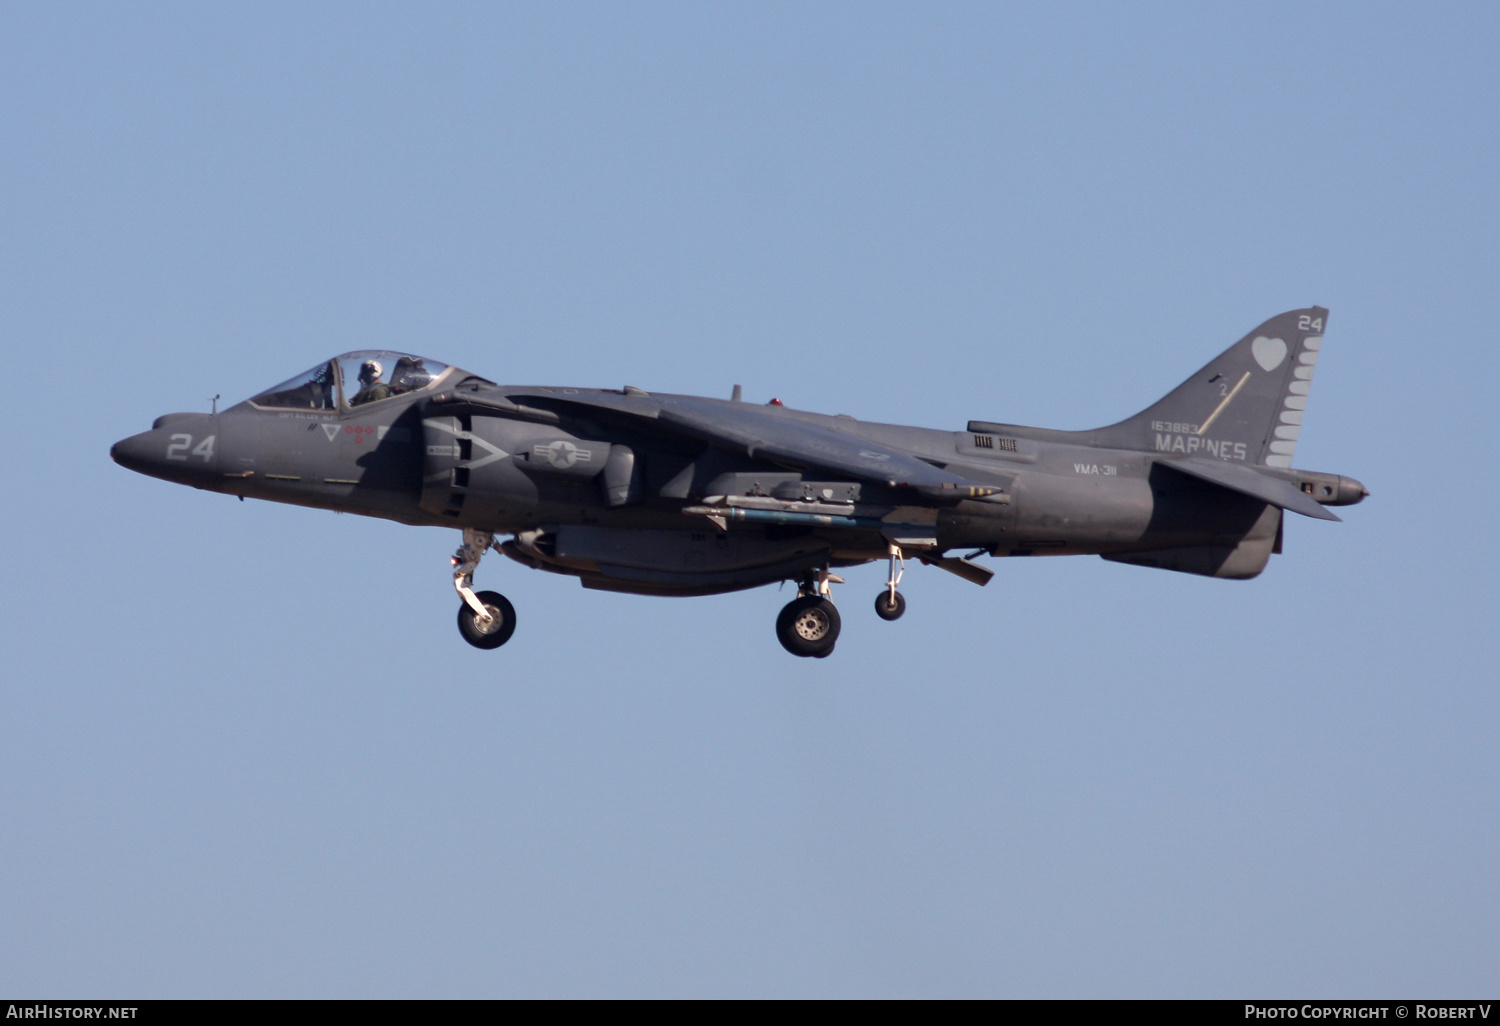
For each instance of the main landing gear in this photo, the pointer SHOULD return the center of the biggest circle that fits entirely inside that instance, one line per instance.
(486, 619)
(809, 624)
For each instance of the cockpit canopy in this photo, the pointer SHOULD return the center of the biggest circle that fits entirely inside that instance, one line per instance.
(354, 379)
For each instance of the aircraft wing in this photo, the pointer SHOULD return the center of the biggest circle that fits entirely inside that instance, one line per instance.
(772, 434)
(1240, 478)
(766, 435)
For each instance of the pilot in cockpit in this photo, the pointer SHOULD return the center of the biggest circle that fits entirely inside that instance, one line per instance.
(371, 388)
(409, 375)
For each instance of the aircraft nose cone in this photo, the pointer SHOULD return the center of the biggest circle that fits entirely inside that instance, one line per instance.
(179, 447)
(131, 453)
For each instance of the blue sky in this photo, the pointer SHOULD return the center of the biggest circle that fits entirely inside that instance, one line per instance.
(243, 751)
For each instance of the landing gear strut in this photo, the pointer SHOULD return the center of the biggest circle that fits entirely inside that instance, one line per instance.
(486, 619)
(809, 624)
(889, 604)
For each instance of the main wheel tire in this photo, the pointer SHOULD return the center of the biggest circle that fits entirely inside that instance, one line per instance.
(501, 626)
(808, 626)
(888, 610)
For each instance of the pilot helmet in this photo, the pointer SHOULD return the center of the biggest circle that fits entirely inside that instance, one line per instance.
(370, 372)
(410, 374)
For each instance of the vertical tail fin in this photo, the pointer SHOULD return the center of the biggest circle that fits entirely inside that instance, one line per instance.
(1246, 405)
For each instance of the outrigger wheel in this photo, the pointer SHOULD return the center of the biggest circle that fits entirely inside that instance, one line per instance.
(808, 626)
(495, 631)
(889, 605)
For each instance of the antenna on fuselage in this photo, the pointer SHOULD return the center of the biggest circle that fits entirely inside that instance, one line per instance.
(215, 401)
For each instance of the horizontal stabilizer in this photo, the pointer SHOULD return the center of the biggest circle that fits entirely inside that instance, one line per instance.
(1246, 480)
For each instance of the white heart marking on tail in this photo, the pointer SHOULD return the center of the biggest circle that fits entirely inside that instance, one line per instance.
(1268, 352)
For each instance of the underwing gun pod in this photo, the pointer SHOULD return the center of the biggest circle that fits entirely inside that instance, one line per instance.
(673, 495)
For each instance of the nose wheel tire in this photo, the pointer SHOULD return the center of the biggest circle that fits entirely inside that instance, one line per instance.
(808, 626)
(494, 632)
(886, 608)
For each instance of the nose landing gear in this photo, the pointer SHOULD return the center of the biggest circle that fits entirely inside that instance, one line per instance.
(809, 625)
(486, 619)
(493, 631)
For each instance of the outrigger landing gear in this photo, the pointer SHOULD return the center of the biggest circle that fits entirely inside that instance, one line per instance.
(486, 619)
(809, 624)
(889, 604)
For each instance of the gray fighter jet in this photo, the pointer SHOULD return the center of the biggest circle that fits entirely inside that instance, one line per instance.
(679, 495)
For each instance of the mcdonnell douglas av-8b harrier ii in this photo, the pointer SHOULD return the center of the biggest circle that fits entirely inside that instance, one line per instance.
(654, 494)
